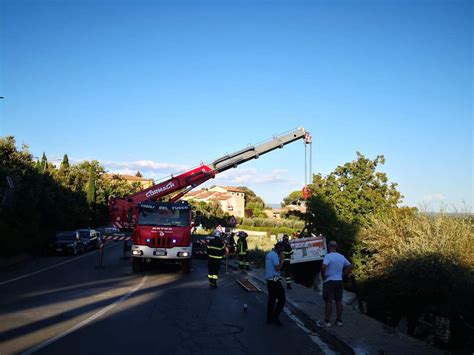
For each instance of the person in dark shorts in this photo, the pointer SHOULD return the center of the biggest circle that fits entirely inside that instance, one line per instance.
(334, 268)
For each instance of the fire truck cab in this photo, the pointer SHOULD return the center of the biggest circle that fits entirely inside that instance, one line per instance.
(162, 233)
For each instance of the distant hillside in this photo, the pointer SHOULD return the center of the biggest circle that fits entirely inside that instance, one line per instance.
(273, 205)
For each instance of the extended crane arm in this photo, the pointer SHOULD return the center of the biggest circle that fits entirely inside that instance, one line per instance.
(188, 180)
(253, 152)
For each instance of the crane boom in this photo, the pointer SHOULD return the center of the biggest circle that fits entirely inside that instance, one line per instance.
(185, 182)
(253, 152)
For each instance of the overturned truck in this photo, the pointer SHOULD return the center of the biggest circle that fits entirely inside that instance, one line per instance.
(308, 255)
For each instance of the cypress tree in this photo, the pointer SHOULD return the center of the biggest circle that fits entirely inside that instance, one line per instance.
(44, 163)
(138, 174)
(91, 186)
(65, 163)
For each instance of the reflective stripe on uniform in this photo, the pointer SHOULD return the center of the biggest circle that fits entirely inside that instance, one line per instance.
(215, 257)
(215, 248)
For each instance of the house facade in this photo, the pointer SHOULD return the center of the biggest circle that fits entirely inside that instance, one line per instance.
(231, 199)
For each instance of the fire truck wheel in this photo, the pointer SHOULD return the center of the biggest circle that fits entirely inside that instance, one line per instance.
(137, 265)
(186, 266)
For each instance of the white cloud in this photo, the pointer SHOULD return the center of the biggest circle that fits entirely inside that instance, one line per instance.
(254, 176)
(145, 165)
(436, 197)
(160, 170)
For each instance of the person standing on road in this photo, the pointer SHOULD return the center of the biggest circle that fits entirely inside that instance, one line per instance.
(288, 252)
(242, 249)
(273, 264)
(334, 268)
(215, 251)
(101, 250)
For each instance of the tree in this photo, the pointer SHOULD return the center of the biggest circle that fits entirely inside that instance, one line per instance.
(138, 174)
(44, 163)
(65, 163)
(254, 205)
(211, 214)
(293, 198)
(255, 209)
(250, 196)
(41, 205)
(48, 200)
(342, 201)
(91, 186)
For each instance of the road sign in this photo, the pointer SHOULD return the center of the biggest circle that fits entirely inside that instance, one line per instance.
(232, 222)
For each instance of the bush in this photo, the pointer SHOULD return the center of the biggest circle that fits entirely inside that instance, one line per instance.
(257, 257)
(413, 264)
(402, 234)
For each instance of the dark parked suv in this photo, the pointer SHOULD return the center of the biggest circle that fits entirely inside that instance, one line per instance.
(89, 238)
(67, 243)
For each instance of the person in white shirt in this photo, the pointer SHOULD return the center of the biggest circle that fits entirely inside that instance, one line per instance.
(334, 268)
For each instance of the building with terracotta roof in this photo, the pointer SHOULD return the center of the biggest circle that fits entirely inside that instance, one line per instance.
(277, 212)
(231, 199)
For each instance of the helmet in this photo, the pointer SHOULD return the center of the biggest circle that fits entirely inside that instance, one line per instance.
(285, 237)
(242, 234)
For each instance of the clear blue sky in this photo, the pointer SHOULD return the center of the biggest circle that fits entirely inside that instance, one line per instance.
(162, 85)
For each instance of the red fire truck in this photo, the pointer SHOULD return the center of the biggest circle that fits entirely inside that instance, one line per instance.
(162, 230)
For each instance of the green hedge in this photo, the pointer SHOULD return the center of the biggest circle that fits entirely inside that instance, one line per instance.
(273, 223)
(269, 230)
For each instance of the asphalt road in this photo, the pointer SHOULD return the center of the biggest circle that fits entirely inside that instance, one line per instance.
(74, 307)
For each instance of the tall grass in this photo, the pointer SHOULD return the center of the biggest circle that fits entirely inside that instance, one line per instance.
(401, 235)
(411, 264)
(258, 248)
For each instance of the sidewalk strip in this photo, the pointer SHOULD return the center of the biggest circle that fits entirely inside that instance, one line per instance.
(86, 321)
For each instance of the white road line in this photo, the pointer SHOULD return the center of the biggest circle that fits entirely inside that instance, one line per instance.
(50, 267)
(86, 321)
(314, 337)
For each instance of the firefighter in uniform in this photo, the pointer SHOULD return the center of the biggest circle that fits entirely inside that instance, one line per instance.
(215, 251)
(288, 252)
(242, 250)
(231, 243)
